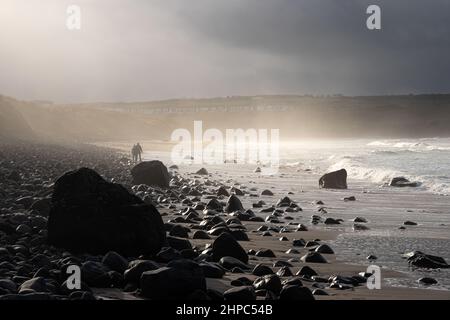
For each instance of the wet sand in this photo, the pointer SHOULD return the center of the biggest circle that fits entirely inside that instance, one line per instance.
(41, 165)
(385, 209)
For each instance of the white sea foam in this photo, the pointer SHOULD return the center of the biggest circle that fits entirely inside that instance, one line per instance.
(293, 164)
(382, 175)
(356, 170)
(411, 145)
(391, 152)
(379, 143)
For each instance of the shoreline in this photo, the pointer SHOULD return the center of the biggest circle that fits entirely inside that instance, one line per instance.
(300, 186)
(358, 187)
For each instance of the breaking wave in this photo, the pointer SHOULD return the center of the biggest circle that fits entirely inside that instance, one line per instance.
(382, 175)
(408, 145)
(356, 170)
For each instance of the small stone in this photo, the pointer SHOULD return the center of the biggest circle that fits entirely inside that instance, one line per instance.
(267, 193)
(269, 282)
(267, 253)
(225, 245)
(202, 171)
(23, 229)
(320, 292)
(296, 293)
(262, 270)
(284, 272)
(34, 285)
(427, 281)
(331, 221)
(313, 257)
(359, 227)
(137, 268)
(200, 234)
(179, 279)
(307, 272)
(244, 293)
(324, 248)
(231, 262)
(298, 243)
(115, 262)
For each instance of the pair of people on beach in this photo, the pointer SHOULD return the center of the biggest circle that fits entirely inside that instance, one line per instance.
(136, 152)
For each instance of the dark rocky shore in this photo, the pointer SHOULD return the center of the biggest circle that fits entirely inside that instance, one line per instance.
(175, 237)
(28, 265)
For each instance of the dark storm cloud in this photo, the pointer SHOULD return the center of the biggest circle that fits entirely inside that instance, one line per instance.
(327, 47)
(156, 49)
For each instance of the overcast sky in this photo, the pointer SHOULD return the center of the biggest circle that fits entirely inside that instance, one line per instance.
(148, 49)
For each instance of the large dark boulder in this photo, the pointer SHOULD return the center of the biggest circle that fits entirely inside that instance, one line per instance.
(89, 214)
(334, 180)
(152, 173)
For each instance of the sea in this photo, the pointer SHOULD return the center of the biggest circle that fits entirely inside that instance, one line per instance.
(371, 164)
(426, 161)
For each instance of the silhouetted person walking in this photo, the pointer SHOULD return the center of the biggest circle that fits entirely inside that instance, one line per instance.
(139, 152)
(134, 153)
